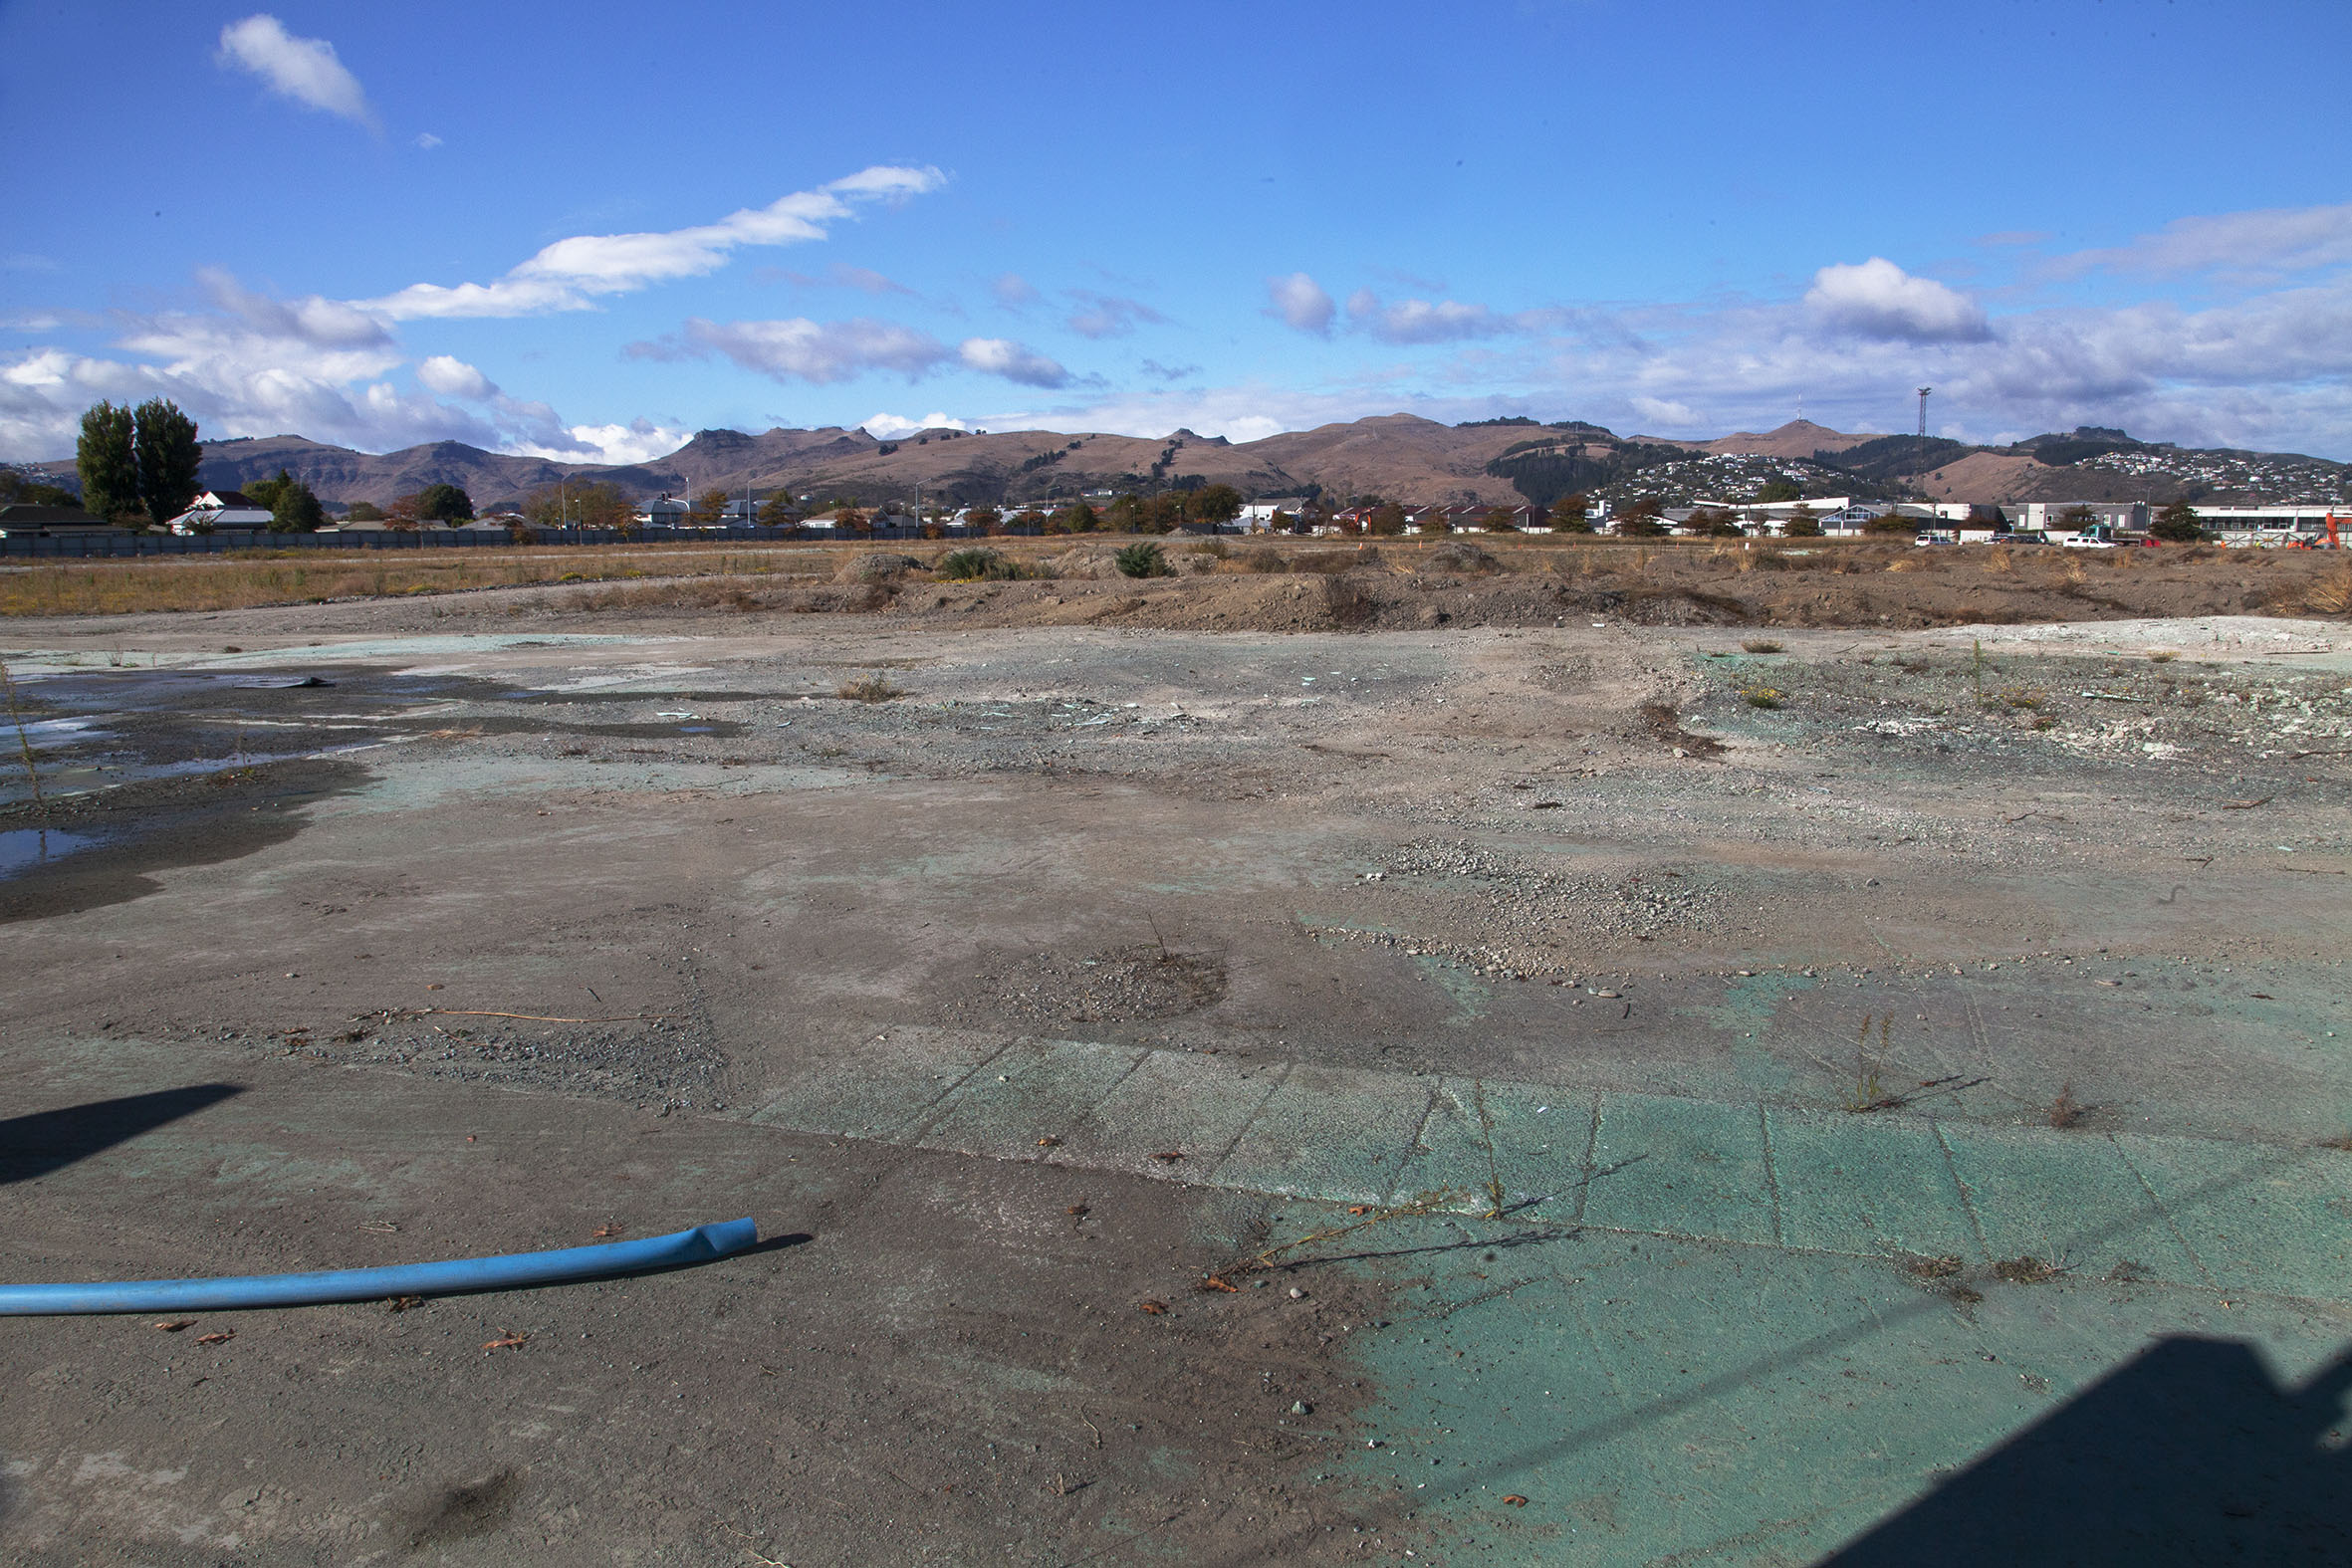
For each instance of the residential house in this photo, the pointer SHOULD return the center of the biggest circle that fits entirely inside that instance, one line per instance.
(23, 519)
(203, 519)
(662, 511)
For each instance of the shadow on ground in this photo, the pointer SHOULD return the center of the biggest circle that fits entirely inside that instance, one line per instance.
(2187, 1454)
(34, 1145)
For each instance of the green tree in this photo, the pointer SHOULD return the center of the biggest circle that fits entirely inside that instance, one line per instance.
(1714, 522)
(1127, 514)
(1641, 518)
(168, 459)
(16, 488)
(1778, 492)
(1080, 518)
(1387, 518)
(1572, 513)
(296, 510)
(1803, 525)
(779, 511)
(1500, 519)
(444, 503)
(1213, 503)
(107, 457)
(708, 507)
(362, 511)
(2178, 525)
(1893, 523)
(983, 517)
(1162, 513)
(263, 493)
(581, 506)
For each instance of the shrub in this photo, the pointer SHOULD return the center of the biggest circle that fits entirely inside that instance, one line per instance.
(977, 565)
(1760, 646)
(869, 688)
(1144, 559)
(1761, 696)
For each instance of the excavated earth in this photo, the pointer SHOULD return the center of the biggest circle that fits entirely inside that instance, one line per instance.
(1488, 1060)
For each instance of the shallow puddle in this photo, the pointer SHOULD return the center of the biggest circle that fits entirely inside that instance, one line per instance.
(22, 848)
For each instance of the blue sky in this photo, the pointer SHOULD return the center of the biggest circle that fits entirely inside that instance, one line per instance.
(589, 230)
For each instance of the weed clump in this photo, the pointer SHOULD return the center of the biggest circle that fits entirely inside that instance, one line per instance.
(2026, 1270)
(2066, 1110)
(869, 688)
(1760, 645)
(1761, 696)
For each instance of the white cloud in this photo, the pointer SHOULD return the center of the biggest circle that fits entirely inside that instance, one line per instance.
(1012, 291)
(453, 377)
(426, 141)
(1101, 316)
(1300, 302)
(1424, 320)
(889, 427)
(1877, 298)
(641, 441)
(302, 69)
(1003, 356)
(841, 275)
(2273, 242)
(572, 273)
(799, 350)
(1664, 413)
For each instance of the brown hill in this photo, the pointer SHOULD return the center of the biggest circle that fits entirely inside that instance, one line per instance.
(1797, 438)
(1395, 456)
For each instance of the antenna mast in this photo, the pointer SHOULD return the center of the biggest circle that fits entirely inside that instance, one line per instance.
(1923, 413)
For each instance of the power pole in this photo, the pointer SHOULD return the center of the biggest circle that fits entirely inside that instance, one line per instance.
(1923, 415)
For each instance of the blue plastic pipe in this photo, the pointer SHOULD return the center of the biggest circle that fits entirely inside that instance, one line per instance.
(564, 1267)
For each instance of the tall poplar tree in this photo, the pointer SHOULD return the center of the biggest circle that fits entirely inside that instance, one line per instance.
(168, 459)
(107, 457)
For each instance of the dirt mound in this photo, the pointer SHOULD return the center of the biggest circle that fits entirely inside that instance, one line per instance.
(877, 566)
(1097, 563)
(1459, 556)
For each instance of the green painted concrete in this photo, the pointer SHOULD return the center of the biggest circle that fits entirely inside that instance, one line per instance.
(2202, 1213)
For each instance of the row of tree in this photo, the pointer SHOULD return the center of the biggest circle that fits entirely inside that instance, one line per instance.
(137, 465)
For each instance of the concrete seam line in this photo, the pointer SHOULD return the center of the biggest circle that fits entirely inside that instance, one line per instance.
(508, 1272)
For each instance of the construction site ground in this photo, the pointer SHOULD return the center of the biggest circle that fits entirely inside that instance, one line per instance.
(1564, 1090)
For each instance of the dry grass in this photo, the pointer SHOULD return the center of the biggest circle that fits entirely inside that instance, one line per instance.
(245, 579)
(869, 688)
(2331, 594)
(1760, 645)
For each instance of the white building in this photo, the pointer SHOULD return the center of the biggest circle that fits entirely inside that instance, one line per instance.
(2043, 517)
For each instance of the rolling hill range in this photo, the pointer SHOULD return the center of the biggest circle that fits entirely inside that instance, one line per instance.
(1396, 456)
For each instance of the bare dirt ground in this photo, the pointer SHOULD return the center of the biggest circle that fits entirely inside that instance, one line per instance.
(1129, 937)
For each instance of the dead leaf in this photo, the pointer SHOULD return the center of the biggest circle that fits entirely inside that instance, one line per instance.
(603, 1232)
(1155, 1308)
(1048, 1143)
(176, 1324)
(1359, 1208)
(1516, 1500)
(1079, 1210)
(1171, 1156)
(508, 1343)
(404, 1303)
(1212, 1282)
(221, 1338)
